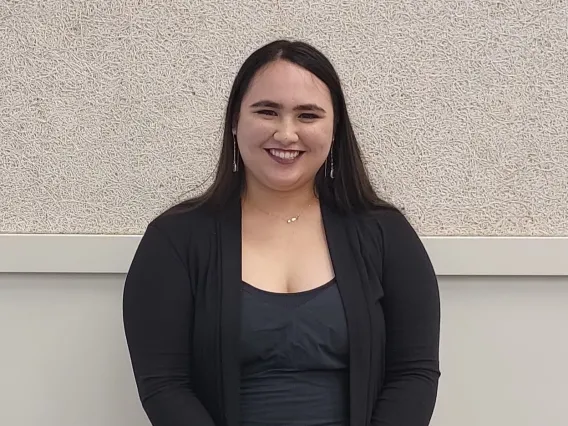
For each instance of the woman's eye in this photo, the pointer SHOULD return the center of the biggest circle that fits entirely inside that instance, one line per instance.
(266, 112)
(309, 116)
(272, 113)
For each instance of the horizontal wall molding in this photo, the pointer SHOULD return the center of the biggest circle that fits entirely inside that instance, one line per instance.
(454, 256)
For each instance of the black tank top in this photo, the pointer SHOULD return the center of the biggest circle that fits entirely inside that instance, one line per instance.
(294, 358)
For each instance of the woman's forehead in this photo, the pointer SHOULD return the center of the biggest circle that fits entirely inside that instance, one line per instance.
(287, 83)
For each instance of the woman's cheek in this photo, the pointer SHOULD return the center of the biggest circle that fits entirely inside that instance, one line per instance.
(317, 139)
(258, 130)
(266, 129)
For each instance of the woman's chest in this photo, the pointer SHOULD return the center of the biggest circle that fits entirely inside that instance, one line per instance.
(288, 260)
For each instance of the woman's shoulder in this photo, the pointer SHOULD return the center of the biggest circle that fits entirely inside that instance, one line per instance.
(382, 216)
(389, 224)
(389, 218)
(187, 220)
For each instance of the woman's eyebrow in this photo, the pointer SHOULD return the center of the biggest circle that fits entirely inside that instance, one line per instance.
(276, 105)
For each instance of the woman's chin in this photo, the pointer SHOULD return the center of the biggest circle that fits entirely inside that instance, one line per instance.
(283, 182)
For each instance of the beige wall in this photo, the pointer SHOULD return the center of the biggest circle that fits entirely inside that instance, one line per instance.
(111, 110)
(64, 360)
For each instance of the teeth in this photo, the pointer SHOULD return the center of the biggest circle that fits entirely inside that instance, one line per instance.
(286, 155)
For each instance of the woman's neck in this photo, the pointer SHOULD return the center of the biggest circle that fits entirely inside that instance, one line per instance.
(283, 202)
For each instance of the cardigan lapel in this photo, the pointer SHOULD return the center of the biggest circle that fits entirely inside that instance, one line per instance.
(231, 276)
(337, 229)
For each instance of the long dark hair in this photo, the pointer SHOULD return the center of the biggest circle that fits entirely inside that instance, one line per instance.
(349, 190)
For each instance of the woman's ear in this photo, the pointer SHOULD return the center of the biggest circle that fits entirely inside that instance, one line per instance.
(235, 124)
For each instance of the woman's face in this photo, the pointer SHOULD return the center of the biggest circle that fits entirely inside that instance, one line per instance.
(285, 126)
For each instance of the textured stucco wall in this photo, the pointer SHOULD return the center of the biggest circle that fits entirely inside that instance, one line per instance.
(111, 110)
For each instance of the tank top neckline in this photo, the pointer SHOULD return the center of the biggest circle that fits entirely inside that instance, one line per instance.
(251, 288)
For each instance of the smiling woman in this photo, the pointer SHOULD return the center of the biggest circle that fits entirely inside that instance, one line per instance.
(289, 292)
(287, 155)
(283, 114)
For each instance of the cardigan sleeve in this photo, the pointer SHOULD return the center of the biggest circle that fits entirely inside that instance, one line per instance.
(411, 306)
(158, 322)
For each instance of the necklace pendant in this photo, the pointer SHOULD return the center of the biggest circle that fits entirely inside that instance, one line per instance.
(292, 219)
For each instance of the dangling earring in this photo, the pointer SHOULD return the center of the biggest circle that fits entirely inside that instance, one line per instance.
(331, 170)
(235, 154)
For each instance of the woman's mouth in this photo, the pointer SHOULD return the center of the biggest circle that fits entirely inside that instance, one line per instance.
(284, 156)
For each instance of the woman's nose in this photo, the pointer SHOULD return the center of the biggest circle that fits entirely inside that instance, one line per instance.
(286, 133)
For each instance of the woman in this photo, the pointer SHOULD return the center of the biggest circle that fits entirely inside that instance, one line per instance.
(288, 293)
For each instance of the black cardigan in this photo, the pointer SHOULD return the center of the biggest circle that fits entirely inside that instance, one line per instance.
(181, 308)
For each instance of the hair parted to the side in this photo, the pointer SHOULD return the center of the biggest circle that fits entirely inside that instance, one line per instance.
(349, 190)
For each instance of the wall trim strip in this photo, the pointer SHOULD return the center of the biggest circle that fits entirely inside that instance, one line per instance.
(453, 256)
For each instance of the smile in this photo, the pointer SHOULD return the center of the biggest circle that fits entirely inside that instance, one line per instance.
(284, 154)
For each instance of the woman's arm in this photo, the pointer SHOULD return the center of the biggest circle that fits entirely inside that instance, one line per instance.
(158, 321)
(411, 306)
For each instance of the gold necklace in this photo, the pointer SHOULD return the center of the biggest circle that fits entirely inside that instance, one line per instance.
(287, 220)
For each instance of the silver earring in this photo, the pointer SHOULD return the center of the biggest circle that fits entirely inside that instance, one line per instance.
(331, 169)
(235, 159)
